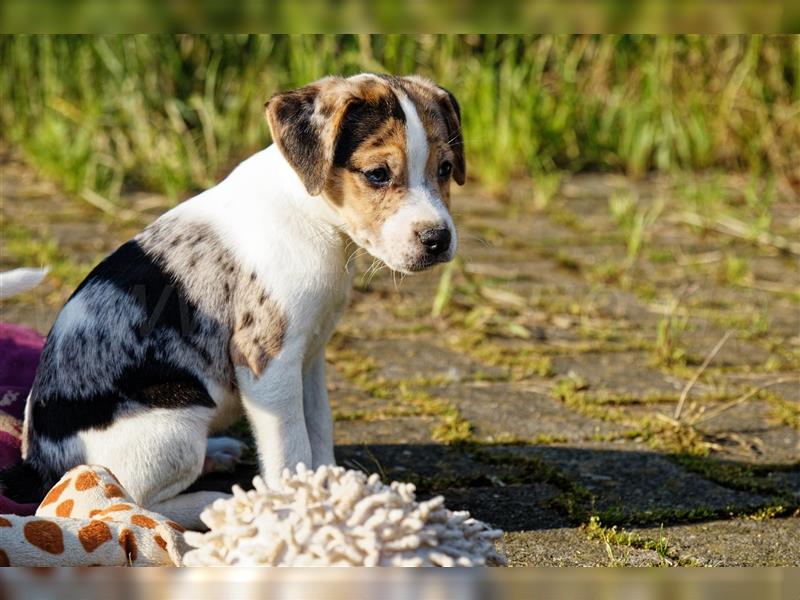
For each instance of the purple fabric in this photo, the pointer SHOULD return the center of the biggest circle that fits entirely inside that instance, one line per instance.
(20, 349)
(9, 448)
(9, 507)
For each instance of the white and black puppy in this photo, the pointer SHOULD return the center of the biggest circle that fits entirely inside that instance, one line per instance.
(226, 302)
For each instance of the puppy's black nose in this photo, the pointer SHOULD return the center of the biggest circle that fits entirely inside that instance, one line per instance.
(436, 240)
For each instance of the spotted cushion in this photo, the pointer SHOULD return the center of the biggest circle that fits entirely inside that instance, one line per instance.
(88, 519)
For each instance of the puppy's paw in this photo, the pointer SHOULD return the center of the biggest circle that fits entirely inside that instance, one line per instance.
(222, 454)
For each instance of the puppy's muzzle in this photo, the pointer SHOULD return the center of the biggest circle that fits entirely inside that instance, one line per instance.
(436, 241)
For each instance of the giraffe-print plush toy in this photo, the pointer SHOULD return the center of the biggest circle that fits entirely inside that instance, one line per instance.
(86, 519)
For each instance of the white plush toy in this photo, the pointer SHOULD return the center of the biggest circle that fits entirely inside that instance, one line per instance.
(338, 517)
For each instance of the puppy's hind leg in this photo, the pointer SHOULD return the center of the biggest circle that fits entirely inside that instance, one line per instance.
(185, 509)
(156, 453)
(222, 454)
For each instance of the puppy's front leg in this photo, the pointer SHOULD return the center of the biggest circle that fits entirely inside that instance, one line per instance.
(318, 412)
(274, 404)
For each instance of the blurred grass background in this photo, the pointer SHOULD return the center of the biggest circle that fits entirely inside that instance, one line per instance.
(107, 114)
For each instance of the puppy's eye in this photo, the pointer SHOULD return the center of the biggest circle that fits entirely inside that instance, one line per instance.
(379, 176)
(445, 169)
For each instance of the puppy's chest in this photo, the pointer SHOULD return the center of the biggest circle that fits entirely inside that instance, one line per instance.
(329, 311)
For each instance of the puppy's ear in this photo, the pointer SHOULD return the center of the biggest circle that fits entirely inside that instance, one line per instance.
(452, 117)
(305, 124)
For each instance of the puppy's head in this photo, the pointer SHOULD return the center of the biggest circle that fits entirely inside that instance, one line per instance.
(381, 151)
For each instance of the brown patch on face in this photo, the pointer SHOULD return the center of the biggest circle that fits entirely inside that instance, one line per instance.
(94, 535)
(143, 521)
(372, 136)
(55, 492)
(45, 535)
(128, 542)
(65, 508)
(363, 206)
(162, 543)
(86, 480)
(4, 522)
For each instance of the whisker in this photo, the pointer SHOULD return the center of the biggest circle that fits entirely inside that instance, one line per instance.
(481, 240)
(369, 273)
(356, 253)
(380, 266)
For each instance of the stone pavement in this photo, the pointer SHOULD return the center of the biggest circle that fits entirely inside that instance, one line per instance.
(542, 394)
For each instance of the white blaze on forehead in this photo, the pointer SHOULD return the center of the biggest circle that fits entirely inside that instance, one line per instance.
(416, 143)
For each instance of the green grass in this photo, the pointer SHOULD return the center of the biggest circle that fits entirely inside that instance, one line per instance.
(633, 220)
(173, 113)
(611, 536)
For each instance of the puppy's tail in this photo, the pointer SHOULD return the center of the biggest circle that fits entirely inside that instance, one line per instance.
(23, 483)
(20, 280)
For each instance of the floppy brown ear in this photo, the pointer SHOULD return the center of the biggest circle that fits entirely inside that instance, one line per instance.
(305, 123)
(452, 117)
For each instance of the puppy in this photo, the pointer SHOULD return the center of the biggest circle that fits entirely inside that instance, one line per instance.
(225, 303)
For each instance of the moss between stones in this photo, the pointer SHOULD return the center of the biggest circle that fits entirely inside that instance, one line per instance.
(671, 516)
(452, 427)
(783, 411)
(739, 476)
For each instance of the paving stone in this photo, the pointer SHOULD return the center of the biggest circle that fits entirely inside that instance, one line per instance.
(404, 359)
(773, 269)
(735, 353)
(373, 313)
(346, 398)
(490, 492)
(569, 547)
(594, 190)
(787, 390)
(623, 374)
(788, 480)
(511, 508)
(633, 481)
(398, 430)
(749, 431)
(782, 314)
(425, 462)
(500, 409)
(736, 543)
(528, 229)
